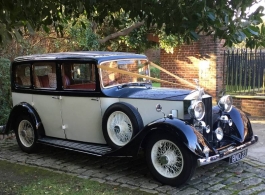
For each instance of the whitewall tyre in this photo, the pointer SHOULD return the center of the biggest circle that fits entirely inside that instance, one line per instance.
(26, 134)
(169, 161)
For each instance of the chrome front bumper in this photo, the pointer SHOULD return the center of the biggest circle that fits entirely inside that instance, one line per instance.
(228, 153)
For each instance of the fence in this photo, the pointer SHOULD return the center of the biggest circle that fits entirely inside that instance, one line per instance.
(245, 72)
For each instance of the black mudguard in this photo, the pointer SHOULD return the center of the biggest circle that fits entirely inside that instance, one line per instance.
(241, 123)
(26, 109)
(185, 133)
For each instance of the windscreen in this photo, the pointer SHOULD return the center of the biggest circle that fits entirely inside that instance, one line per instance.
(124, 71)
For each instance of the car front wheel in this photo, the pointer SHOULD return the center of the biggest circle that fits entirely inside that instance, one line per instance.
(169, 161)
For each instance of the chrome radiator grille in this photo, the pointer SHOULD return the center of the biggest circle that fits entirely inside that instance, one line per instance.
(208, 116)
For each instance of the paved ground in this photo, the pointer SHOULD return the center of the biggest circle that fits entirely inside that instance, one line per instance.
(244, 178)
(258, 150)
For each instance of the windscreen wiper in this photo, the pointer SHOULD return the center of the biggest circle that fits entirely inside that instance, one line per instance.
(135, 84)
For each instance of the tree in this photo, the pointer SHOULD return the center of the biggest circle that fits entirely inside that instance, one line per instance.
(183, 19)
(258, 40)
(5, 92)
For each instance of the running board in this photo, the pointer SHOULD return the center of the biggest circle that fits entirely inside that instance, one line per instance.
(88, 148)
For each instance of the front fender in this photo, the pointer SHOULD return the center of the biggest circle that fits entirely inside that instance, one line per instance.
(185, 133)
(241, 123)
(26, 109)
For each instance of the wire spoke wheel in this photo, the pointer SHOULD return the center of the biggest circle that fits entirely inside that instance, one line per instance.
(26, 133)
(119, 128)
(167, 158)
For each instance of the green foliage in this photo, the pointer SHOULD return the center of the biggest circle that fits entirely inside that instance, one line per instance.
(257, 40)
(28, 45)
(5, 91)
(154, 72)
(224, 19)
(169, 42)
(81, 36)
(137, 39)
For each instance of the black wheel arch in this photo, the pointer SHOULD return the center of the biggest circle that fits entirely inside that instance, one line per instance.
(183, 132)
(24, 108)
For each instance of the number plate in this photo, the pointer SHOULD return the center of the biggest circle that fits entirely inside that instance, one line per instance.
(238, 156)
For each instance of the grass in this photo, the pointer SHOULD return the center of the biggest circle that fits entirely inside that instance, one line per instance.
(24, 180)
(156, 84)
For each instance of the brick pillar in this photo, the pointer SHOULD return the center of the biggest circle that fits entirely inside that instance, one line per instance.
(211, 68)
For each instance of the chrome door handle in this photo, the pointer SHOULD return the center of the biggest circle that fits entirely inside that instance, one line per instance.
(95, 99)
(57, 97)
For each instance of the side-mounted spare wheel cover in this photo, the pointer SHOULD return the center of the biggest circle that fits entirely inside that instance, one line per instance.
(121, 122)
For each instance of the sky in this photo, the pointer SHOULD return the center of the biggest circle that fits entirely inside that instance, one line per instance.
(261, 2)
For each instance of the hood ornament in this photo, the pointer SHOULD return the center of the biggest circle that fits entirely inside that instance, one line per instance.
(199, 89)
(197, 83)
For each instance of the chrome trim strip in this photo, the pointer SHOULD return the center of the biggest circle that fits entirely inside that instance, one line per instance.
(215, 158)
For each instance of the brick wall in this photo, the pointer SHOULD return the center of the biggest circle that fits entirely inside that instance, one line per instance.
(201, 60)
(251, 106)
(204, 60)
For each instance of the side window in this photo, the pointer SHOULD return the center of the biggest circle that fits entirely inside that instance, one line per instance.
(78, 76)
(22, 75)
(44, 75)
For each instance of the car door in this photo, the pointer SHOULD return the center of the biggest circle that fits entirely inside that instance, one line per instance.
(82, 119)
(81, 111)
(45, 100)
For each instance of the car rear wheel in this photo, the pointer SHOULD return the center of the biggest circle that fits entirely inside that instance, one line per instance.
(121, 122)
(26, 134)
(169, 161)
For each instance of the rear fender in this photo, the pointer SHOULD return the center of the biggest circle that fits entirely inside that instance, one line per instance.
(24, 108)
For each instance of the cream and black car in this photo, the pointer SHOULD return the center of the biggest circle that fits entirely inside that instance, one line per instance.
(104, 104)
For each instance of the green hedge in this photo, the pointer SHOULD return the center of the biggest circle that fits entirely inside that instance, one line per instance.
(5, 90)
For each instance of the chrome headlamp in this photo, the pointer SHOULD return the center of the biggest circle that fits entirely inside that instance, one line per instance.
(226, 103)
(197, 110)
(219, 133)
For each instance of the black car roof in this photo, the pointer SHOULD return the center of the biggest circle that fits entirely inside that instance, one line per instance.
(81, 55)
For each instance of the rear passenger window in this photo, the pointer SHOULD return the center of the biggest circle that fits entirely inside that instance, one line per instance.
(22, 78)
(44, 75)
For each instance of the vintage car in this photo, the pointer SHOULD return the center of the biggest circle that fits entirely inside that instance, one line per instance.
(104, 104)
